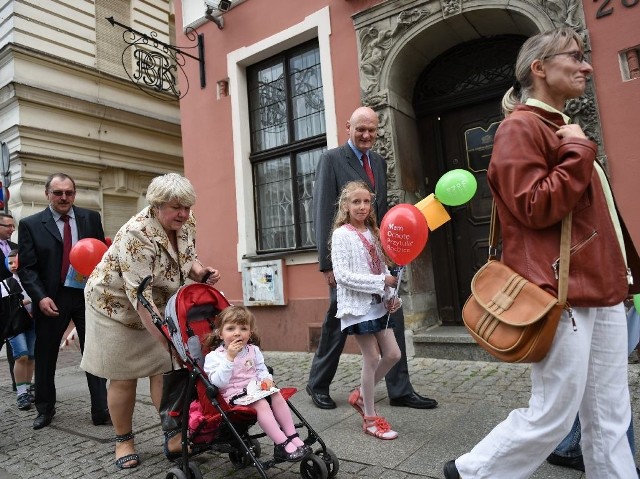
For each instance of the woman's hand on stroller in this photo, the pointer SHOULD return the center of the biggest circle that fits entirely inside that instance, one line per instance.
(210, 276)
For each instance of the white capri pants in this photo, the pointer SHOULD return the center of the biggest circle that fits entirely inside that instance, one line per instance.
(585, 370)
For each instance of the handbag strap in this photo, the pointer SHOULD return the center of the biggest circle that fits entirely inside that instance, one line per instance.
(565, 244)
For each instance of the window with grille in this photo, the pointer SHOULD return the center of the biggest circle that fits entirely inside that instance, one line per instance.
(288, 135)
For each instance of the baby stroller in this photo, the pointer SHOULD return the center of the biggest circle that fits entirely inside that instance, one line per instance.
(189, 317)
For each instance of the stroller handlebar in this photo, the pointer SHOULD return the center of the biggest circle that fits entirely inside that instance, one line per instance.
(145, 303)
(141, 288)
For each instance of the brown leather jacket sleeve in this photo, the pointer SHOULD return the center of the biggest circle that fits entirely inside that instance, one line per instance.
(537, 179)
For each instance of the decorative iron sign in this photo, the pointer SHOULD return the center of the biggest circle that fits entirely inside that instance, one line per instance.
(155, 63)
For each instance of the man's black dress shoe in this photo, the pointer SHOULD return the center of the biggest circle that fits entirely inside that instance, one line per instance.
(43, 420)
(576, 462)
(450, 470)
(101, 418)
(415, 401)
(323, 401)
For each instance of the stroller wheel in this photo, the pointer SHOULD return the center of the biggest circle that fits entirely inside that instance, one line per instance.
(330, 460)
(240, 459)
(195, 471)
(313, 467)
(177, 473)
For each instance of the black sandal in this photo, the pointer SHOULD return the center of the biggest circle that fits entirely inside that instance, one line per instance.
(281, 454)
(172, 456)
(121, 462)
(305, 446)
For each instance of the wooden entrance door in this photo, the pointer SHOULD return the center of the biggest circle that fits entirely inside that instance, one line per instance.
(457, 103)
(466, 138)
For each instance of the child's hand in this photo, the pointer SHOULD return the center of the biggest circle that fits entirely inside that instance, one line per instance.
(393, 305)
(390, 280)
(266, 384)
(234, 348)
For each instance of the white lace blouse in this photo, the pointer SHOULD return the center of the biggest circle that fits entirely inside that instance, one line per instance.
(353, 276)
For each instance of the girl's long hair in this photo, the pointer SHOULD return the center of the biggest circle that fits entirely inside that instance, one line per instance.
(342, 213)
(234, 315)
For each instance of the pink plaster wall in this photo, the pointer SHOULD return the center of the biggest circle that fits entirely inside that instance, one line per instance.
(619, 101)
(208, 153)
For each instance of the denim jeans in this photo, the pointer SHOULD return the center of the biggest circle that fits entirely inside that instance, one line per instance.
(570, 445)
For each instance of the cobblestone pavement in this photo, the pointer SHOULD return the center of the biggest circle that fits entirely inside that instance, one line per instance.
(473, 397)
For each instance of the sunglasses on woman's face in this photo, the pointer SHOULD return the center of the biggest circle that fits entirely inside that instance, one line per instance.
(577, 55)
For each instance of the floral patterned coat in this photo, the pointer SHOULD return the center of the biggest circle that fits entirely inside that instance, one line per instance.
(117, 345)
(141, 248)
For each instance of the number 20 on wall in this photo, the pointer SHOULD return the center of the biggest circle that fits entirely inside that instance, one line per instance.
(607, 6)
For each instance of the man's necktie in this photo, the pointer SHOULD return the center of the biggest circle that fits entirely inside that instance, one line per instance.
(6, 249)
(66, 247)
(367, 169)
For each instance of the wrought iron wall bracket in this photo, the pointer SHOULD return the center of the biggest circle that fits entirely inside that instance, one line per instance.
(156, 63)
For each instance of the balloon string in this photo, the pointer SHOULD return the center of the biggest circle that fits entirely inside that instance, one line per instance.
(395, 296)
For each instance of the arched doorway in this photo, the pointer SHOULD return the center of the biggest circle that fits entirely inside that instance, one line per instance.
(435, 73)
(457, 106)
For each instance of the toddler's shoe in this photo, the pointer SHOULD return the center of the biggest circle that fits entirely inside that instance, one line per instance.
(24, 404)
(281, 454)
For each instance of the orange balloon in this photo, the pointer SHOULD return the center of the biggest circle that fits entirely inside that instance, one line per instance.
(86, 254)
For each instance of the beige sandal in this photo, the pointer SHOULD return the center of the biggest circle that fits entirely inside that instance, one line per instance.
(377, 426)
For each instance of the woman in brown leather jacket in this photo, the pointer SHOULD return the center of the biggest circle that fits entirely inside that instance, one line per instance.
(542, 168)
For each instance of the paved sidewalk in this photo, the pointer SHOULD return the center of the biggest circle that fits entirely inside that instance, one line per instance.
(473, 397)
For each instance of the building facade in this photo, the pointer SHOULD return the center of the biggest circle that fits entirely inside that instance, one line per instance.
(283, 77)
(67, 104)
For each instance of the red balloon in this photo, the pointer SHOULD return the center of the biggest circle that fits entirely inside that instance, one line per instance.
(403, 233)
(108, 241)
(86, 254)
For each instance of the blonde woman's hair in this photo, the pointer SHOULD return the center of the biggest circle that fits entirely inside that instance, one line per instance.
(538, 47)
(233, 315)
(169, 187)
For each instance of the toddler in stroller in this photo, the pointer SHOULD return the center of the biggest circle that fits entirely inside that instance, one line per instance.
(235, 365)
(222, 423)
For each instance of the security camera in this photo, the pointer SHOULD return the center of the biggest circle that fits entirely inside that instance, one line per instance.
(221, 5)
(217, 19)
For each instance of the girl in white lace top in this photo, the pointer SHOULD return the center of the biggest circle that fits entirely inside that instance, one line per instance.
(364, 298)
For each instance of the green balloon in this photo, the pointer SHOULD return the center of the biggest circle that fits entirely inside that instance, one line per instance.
(456, 187)
(636, 301)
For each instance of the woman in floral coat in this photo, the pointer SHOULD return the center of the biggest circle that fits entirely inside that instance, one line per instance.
(122, 343)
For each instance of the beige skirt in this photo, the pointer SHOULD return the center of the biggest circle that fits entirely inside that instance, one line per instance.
(115, 351)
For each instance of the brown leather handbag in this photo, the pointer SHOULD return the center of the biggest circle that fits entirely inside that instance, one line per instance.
(511, 318)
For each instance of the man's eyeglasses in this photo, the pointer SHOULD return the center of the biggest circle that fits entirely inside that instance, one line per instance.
(8, 226)
(60, 193)
(577, 55)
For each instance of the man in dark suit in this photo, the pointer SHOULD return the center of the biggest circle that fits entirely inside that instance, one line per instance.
(337, 167)
(7, 227)
(57, 298)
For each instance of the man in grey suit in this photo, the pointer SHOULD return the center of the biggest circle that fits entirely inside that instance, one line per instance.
(337, 167)
(57, 295)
